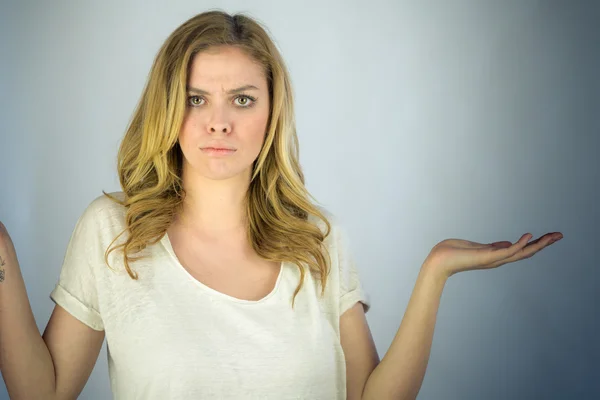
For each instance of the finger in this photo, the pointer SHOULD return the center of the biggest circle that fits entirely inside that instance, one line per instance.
(536, 245)
(517, 246)
(501, 245)
(528, 251)
(494, 254)
(547, 239)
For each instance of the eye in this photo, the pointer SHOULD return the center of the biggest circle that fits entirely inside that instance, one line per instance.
(193, 100)
(244, 101)
(247, 101)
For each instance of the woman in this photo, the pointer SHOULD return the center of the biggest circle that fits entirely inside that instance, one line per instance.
(212, 274)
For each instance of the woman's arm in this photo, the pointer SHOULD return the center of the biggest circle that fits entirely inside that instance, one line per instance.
(25, 361)
(400, 373)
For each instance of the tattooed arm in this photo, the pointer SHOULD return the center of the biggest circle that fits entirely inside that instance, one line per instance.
(53, 366)
(25, 361)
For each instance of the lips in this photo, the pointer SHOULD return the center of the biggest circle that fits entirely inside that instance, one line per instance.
(217, 146)
(217, 152)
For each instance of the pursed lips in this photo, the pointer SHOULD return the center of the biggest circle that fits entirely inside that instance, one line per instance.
(217, 147)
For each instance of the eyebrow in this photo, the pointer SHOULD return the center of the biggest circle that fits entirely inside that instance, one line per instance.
(232, 91)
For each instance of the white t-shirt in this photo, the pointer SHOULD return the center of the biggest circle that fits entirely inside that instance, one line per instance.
(171, 337)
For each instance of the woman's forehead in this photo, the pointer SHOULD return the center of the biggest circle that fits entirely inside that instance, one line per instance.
(224, 71)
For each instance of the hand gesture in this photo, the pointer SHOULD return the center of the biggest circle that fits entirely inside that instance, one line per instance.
(455, 255)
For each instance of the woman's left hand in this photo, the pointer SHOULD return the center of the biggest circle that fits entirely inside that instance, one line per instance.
(455, 255)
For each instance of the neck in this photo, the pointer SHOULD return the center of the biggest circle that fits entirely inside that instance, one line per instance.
(214, 207)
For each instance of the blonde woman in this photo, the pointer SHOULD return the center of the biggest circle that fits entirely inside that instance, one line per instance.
(212, 274)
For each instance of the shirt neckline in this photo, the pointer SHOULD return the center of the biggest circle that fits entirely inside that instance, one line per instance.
(166, 242)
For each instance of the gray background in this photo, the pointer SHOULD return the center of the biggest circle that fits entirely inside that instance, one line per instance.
(418, 121)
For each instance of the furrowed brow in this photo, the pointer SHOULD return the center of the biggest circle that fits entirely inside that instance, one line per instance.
(191, 89)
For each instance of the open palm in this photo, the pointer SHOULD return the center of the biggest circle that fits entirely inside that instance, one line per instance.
(456, 255)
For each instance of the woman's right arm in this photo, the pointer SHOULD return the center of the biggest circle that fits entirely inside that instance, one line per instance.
(54, 366)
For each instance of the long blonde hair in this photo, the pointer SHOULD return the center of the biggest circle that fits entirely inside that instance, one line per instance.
(150, 160)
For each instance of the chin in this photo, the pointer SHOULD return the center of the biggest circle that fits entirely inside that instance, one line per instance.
(219, 170)
(223, 175)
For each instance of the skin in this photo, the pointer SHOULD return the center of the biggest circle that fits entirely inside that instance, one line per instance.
(216, 185)
(7, 251)
(209, 235)
(455, 255)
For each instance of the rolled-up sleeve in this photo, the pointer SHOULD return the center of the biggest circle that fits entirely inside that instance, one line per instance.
(76, 290)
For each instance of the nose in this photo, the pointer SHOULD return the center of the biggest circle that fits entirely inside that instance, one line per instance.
(219, 127)
(219, 122)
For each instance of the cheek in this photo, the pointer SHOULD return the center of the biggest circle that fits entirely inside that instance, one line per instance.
(186, 126)
(256, 129)
(254, 143)
(189, 132)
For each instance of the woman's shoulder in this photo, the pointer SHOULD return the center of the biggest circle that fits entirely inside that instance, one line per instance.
(103, 208)
(104, 203)
(331, 218)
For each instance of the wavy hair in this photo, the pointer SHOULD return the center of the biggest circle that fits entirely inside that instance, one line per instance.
(150, 160)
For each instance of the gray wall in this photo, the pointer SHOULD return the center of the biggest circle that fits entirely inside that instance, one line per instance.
(418, 121)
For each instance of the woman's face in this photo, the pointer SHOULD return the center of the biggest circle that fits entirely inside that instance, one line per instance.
(227, 108)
